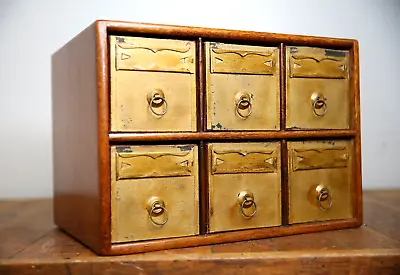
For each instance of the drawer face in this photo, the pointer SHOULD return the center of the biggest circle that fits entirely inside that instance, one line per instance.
(244, 186)
(317, 87)
(242, 85)
(159, 197)
(320, 181)
(153, 85)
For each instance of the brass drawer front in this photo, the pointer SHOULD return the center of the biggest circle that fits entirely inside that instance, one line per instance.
(241, 93)
(228, 58)
(149, 97)
(320, 181)
(249, 174)
(145, 208)
(142, 162)
(317, 89)
(318, 63)
(150, 54)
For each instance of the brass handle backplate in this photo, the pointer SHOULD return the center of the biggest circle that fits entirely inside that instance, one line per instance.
(319, 104)
(324, 197)
(156, 208)
(245, 201)
(243, 105)
(156, 99)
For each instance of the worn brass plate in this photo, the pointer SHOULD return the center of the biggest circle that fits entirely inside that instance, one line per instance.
(143, 163)
(227, 58)
(241, 174)
(149, 54)
(130, 197)
(223, 88)
(320, 163)
(132, 80)
(318, 63)
(315, 74)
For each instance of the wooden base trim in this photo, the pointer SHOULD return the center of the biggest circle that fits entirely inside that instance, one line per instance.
(233, 236)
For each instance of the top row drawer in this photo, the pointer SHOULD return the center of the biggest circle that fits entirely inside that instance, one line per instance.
(153, 86)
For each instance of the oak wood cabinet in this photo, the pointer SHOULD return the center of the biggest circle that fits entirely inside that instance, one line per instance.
(172, 136)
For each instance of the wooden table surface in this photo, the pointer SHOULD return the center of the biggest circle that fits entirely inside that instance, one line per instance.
(31, 244)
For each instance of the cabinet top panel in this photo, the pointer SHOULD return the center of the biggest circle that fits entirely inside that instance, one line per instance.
(190, 32)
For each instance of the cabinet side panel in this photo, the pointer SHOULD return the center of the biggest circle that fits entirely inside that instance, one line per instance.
(75, 141)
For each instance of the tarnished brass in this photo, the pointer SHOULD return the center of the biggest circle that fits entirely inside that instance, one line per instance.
(149, 54)
(156, 208)
(324, 197)
(146, 164)
(244, 185)
(241, 59)
(320, 180)
(317, 88)
(153, 85)
(242, 87)
(318, 101)
(157, 99)
(154, 192)
(308, 62)
(247, 204)
(243, 102)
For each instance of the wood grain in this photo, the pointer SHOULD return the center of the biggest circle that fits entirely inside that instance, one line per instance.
(226, 136)
(383, 212)
(226, 34)
(355, 87)
(16, 219)
(103, 71)
(364, 250)
(75, 138)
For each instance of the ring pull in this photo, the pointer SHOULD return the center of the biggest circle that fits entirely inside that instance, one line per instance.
(324, 197)
(243, 102)
(156, 208)
(320, 107)
(245, 201)
(156, 99)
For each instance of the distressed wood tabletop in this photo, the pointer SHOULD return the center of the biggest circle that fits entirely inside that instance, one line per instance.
(31, 244)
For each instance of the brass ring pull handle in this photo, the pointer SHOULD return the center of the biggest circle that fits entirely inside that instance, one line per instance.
(246, 200)
(243, 102)
(157, 99)
(320, 107)
(156, 208)
(324, 196)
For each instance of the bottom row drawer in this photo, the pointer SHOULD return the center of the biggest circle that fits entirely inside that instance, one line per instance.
(155, 192)
(155, 188)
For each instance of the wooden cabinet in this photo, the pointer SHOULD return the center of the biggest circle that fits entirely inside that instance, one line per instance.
(171, 136)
